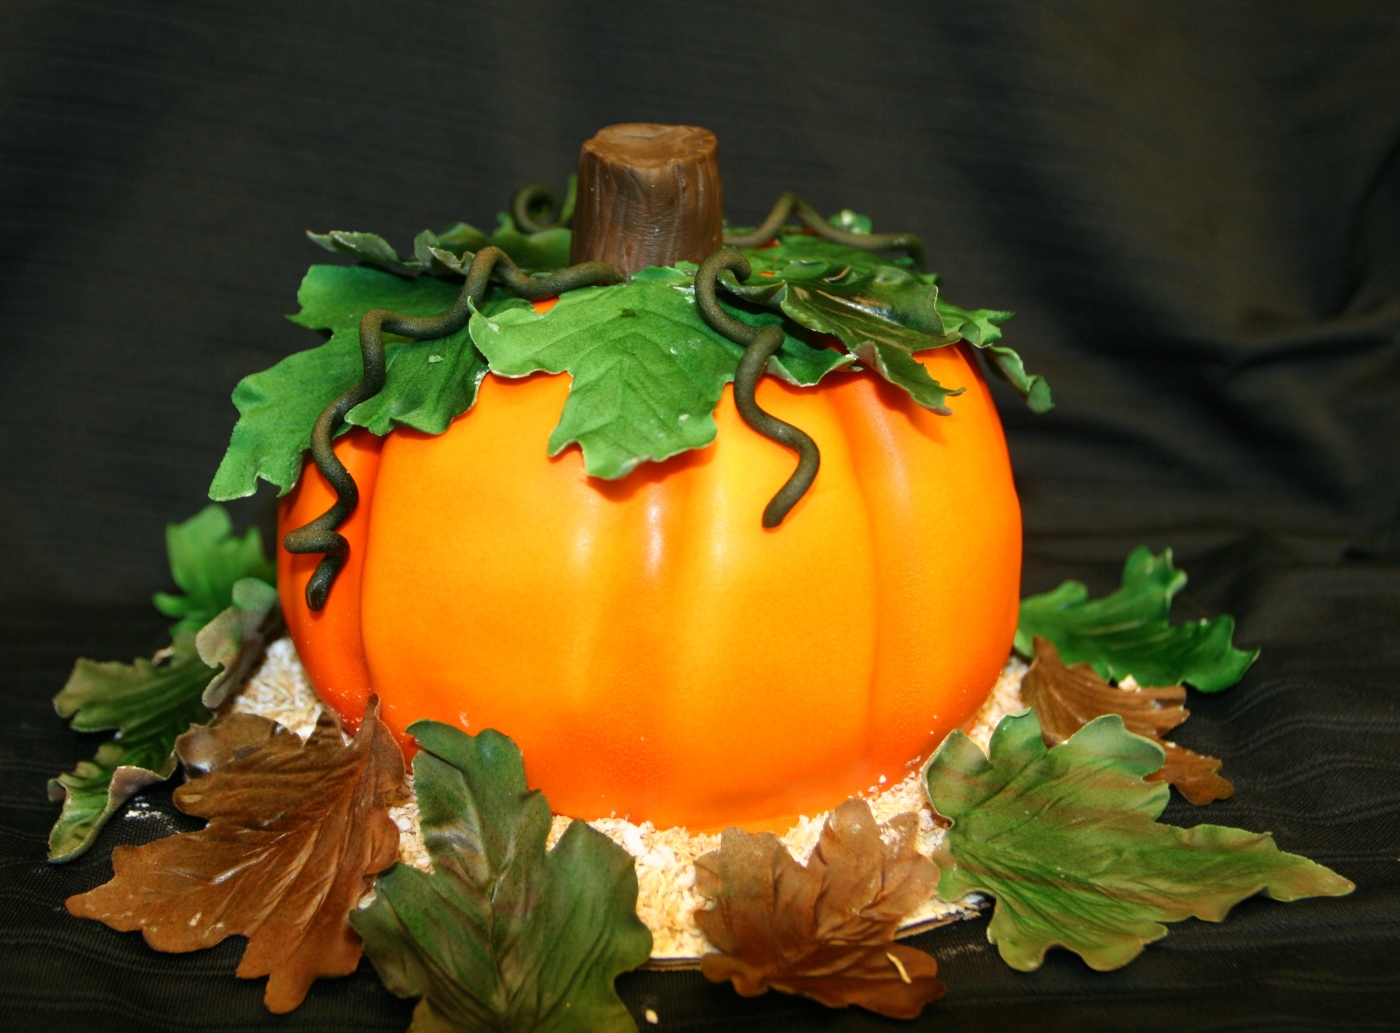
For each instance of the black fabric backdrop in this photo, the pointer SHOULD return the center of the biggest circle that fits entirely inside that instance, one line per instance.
(1195, 209)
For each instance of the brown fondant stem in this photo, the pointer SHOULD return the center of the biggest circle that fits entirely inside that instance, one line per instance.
(648, 194)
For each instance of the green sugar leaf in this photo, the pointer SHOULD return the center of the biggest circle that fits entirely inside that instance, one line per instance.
(882, 315)
(839, 290)
(451, 250)
(368, 247)
(1067, 841)
(796, 362)
(881, 311)
(430, 383)
(818, 251)
(227, 583)
(977, 326)
(150, 705)
(900, 368)
(502, 935)
(206, 560)
(276, 410)
(1006, 364)
(278, 407)
(1128, 632)
(981, 327)
(459, 238)
(647, 371)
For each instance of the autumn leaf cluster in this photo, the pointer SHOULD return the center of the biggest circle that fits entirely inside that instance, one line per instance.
(1057, 823)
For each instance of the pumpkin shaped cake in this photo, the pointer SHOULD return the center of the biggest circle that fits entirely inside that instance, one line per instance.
(689, 528)
(612, 587)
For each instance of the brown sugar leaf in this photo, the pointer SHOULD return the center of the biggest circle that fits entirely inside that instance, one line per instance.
(1068, 698)
(295, 835)
(1196, 776)
(826, 929)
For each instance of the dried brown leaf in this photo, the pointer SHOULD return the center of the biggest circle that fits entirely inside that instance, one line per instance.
(296, 833)
(1068, 698)
(825, 930)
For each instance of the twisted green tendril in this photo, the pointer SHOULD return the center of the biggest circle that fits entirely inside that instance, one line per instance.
(759, 346)
(488, 264)
(532, 205)
(791, 204)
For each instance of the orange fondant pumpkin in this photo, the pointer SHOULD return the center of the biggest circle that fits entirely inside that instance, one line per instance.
(652, 649)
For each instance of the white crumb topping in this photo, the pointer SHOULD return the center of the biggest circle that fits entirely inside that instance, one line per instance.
(1005, 698)
(279, 690)
(664, 858)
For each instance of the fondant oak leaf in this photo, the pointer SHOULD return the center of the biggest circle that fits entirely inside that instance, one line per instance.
(647, 371)
(880, 309)
(826, 929)
(428, 383)
(235, 639)
(1129, 631)
(1067, 841)
(502, 934)
(150, 703)
(296, 833)
(1068, 698)
(206, 560)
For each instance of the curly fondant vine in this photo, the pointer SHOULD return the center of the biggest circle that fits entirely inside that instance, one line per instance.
(320, 535)
(536, 200)
(759, 345)
(790, 204)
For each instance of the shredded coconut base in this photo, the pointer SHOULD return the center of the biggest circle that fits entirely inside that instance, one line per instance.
(664, 858)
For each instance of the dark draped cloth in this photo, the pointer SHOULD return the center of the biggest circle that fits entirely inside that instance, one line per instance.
(1194, 209)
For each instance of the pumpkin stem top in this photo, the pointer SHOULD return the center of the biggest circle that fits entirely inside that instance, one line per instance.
(648, 195)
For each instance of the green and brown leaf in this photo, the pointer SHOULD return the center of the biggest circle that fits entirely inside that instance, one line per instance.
(881, 311)
(235, 639)
(296, 834)
(150, 703)
(502, 934)
(452, 249)
(826, 929)
(1129, 631)
(1068, 698)
(1067, 841)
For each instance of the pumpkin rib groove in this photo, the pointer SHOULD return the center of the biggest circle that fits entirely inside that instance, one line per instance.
(877, 422)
